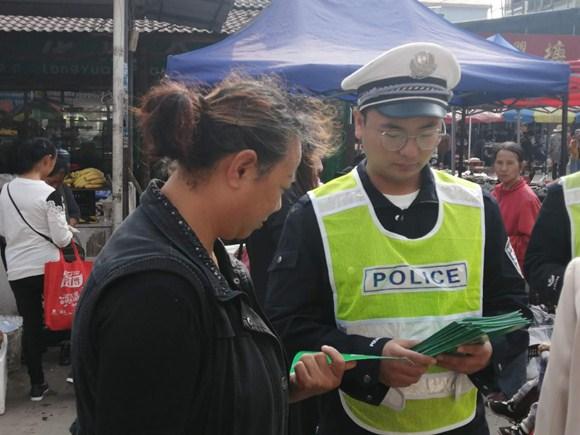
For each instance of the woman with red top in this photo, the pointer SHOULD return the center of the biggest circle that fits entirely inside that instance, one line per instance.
(519, 205)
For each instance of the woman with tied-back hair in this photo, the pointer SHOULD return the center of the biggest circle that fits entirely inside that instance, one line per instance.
(168, 337)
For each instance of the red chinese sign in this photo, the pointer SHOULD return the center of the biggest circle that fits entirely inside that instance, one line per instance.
(554, 47)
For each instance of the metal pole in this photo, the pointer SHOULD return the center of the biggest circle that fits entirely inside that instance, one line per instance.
(469, 141)
(128, 129)
(462, 142)
(119, 105)
(452, 139)
(564, 160)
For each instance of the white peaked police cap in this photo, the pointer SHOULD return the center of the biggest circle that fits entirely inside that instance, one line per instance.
(407, 81)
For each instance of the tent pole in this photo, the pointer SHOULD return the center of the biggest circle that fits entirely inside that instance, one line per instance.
(462, 141)
(564, 160)
(453, 139)
(518, 127)
(469, 140)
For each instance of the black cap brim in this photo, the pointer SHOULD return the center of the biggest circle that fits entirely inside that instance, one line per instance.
(411, 109)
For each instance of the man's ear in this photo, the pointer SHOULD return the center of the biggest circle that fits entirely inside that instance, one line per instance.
(242, 167)
(359, 123)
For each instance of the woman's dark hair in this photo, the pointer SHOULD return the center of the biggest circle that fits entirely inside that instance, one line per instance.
(512, 147)
(320, 134)
(23, 155)
(198, 129)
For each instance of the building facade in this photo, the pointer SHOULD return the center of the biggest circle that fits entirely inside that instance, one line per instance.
(523, 7)
(552, 35)
(460, 10)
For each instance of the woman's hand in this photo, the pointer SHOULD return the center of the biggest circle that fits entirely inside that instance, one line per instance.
(314, 375)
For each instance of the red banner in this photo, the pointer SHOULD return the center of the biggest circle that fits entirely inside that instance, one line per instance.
(554, 47)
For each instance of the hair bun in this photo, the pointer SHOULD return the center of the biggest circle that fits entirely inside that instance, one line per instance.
(168, 117)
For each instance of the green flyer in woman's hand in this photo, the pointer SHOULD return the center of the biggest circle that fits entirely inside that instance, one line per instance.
(347, 357)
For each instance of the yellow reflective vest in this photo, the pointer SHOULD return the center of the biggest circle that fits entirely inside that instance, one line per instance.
(386, 285)
(571, 187)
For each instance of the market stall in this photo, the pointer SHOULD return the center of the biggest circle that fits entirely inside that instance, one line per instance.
(545, 115)
(80, 124)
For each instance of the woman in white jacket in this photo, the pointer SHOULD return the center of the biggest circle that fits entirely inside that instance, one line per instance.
(33, 222)
(558, 408)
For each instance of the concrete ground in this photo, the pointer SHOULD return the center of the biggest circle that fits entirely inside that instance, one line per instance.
(495, 422)
(51, 416)
(54, 414)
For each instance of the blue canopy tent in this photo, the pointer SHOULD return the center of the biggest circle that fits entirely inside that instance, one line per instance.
(526, 116)
(501, 41)
(314, 44)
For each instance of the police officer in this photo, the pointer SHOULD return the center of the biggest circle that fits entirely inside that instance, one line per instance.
(555, 239)
(382, 257)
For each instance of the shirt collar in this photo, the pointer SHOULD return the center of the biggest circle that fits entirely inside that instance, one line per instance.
(174, 226)
(517, 185)
(427, 191)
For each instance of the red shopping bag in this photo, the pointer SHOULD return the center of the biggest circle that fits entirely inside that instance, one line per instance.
(63, 282)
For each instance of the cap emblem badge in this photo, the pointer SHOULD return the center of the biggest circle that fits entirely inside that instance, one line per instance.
(422, 65)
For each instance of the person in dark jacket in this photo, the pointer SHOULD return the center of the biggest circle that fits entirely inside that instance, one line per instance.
(261, 245)
(551, 245)
(355, 258)
(168, 336)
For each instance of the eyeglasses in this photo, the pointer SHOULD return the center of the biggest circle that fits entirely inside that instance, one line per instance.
(395, 140)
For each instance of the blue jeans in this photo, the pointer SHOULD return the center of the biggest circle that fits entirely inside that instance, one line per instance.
(513, 375)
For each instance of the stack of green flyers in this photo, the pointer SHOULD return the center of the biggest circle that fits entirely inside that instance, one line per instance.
(470, 330)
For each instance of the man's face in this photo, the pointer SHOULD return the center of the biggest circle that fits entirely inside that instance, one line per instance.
(380, 135)
(55, 180)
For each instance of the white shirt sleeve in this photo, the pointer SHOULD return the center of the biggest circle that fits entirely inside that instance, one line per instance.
(2, 231)
(560, 394)
(60, 233)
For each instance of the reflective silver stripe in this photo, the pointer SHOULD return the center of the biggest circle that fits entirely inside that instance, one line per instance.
(436, 385)
(339, 201)
(572, 196)
(457, 194)
(411, 328)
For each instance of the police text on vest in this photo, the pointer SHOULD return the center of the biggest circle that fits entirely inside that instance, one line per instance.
(437, 277)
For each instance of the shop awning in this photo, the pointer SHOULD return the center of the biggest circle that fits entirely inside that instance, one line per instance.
(202, 14)
(527, 116)
(480, 118)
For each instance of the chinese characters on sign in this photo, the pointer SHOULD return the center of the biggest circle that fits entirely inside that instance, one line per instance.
(553, 47)
(556, 51)
(521, 45)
